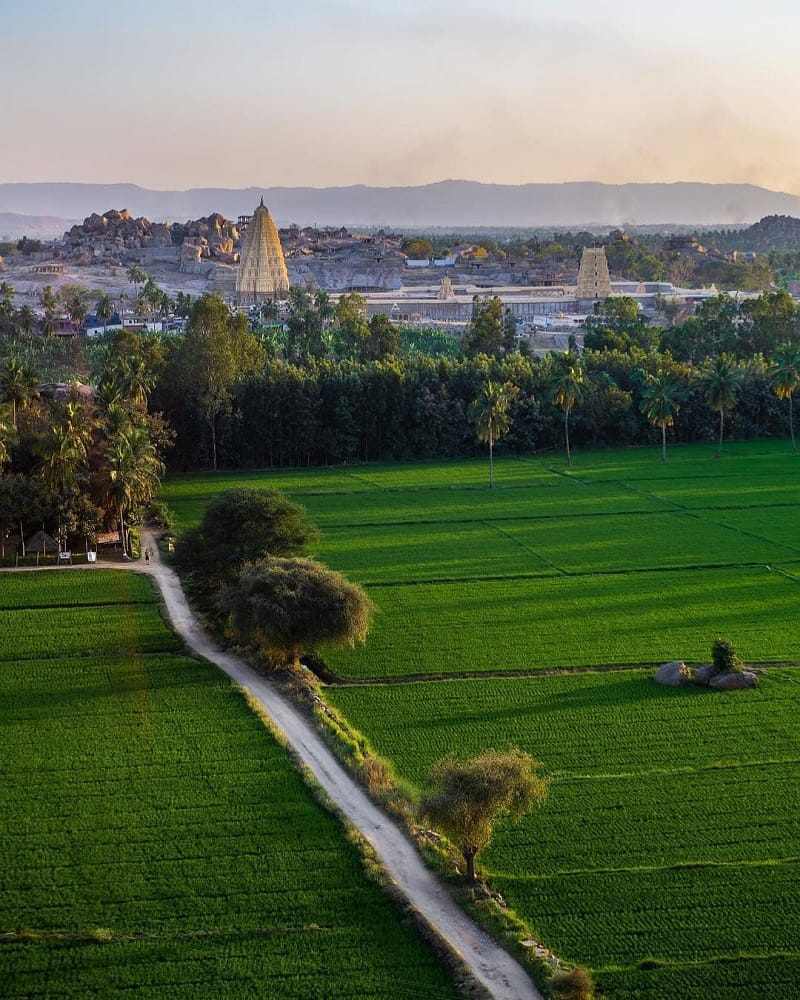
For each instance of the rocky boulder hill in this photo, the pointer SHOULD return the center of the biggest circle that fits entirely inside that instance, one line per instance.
(110, 235)
(774, 232)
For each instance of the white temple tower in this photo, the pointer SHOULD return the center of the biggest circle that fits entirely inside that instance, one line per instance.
(262, 270)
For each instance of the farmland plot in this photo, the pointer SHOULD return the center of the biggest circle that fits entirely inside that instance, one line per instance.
(155, 839)
(666, 856)
(668, 808)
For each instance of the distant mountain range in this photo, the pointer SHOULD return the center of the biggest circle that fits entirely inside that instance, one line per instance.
(43, 227)
(446, 204)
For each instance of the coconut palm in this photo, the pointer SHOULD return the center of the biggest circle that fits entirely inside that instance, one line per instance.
(785, 373)
(73, 298)
(26, 320)
(7, 436)
(135, 380)
(136, 275)
(661, 399)
(132, 475)
(63, 455)
(104, 308)
(489, 413)
(7, 294)
(49, 303)
(567, 385)
(720, 379)
(18, 385)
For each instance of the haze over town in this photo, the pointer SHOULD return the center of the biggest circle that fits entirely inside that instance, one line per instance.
(330, 92)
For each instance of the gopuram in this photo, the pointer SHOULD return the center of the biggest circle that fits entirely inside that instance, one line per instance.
(593, 278)
(262, 271)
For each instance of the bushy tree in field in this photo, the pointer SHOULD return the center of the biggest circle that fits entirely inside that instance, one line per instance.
(290, 606)
(242, 525)
(724, 657)
(466, 799)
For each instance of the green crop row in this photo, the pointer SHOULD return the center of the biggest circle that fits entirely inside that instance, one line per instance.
(548, 546)
(113, 630)
(539, 623)
(64, 588)
(591, 724)
(771, 977)
(625, 917)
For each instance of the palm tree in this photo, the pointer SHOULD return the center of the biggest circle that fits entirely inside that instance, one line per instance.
(165, 304)
(489, 413)
(62, 456)
(18, 385)
(26, 320)
(661, 398)
(135, 380)
(123, 298)
(7, 436)
(7, 294)
(49, 304)
(720, 379)
(785, 372)
(74, 300)
(136, 275)
(567, 385)
(153, 295)
(132, 475)
(104, 308)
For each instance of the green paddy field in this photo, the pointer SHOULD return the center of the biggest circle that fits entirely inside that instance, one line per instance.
(155, 840)
(667, 858)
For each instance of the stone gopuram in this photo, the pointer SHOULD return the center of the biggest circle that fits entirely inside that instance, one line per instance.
(262, 269)
(593, 279)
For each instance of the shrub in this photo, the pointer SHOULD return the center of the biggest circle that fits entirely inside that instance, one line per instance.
(573, 985)
(724, 657)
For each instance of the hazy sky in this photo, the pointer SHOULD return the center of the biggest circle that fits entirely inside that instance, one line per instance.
(232, 93)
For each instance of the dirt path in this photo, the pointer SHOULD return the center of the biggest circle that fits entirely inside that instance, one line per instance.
(491, 965)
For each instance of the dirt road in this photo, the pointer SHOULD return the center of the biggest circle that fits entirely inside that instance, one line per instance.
(490, 964)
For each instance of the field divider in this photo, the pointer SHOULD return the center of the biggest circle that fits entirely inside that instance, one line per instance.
(699, 963)
(637, 869)
(653, 496)
(336, 680)
(572, 574)
(752, 534)
(524, 547)
(79, 607)
(559, 515)
(565, 777)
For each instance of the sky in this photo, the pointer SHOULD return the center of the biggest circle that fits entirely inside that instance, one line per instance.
(234, 93)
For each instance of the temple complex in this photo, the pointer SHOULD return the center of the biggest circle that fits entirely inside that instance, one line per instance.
(593, 278)
(262, 270)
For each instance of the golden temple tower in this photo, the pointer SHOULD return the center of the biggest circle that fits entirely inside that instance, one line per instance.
(262, 270)
(593, 279)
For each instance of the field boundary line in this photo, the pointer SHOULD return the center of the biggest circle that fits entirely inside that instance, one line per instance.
(491, 965)
(674, 963)
(635, 869)
(524, 547)
(475, 675)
